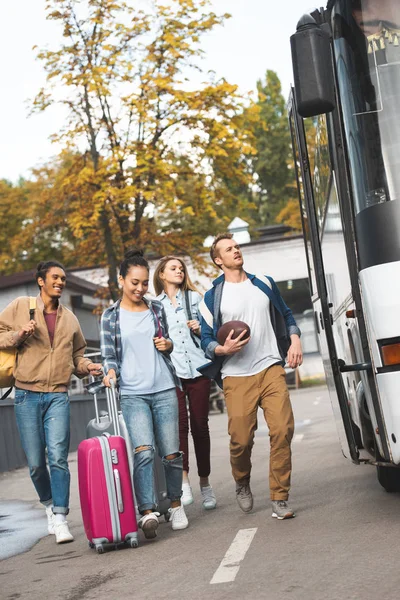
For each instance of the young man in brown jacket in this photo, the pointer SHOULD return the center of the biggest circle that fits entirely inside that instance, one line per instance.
(50, 348)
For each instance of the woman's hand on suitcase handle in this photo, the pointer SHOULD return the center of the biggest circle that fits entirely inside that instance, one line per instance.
(95, 369)
(162, 344)
(110, 375)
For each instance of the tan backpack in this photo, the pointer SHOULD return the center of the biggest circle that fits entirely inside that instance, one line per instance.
(8, 358)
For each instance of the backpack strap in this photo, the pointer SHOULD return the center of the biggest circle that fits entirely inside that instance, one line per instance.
(157, 320)
(32, 307)
(188, 310)
(187, 305)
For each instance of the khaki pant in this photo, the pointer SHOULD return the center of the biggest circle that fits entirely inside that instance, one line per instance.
(243, 396)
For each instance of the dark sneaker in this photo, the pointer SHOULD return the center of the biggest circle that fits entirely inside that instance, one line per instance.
(281, 510)
(244, 497)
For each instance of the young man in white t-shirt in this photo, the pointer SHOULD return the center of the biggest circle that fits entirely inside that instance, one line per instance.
(252, 369)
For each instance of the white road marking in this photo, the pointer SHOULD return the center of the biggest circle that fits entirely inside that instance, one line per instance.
(316, 403)
(298, 437)
(230, 564)
(307, 422)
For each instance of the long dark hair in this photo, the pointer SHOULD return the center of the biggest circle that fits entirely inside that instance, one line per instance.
(132, 258)
(44, 267)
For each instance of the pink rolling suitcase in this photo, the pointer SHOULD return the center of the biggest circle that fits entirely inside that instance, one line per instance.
(105, 488)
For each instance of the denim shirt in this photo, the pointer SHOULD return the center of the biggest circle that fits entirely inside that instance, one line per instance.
(185, 356)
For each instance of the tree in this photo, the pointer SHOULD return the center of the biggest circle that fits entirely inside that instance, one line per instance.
(131, 111)
(39, 217)
(290, 214)
(272, 162)
(13, 202)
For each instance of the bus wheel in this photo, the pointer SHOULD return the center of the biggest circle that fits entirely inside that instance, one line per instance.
(389, 478)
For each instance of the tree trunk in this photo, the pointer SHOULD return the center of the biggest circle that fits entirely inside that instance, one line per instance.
(111, 257)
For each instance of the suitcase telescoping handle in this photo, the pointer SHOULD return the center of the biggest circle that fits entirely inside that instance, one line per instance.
(113, 406)
(96, 405)
(92, 379)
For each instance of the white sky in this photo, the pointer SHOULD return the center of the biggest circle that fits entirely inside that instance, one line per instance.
(255, 39)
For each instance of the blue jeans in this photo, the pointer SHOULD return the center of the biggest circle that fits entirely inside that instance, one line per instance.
(152, 420)
(43, 422)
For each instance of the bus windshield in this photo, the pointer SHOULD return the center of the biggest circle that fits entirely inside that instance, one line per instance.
(367, 53)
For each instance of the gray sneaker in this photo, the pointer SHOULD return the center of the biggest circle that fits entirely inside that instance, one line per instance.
(281, 510)
(244, 497)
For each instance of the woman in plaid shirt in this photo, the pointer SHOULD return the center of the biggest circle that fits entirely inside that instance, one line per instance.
(136, 353)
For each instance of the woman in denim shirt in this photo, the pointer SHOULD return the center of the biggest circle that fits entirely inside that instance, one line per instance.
(136, 349)
(180, 300)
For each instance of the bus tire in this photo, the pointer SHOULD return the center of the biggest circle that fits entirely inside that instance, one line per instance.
(389, 478)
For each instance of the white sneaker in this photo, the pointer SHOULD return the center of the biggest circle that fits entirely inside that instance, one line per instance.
(209, 499)
(63, 534)
(187, 495)
(149, 524)
(50, 520)
(178, 518)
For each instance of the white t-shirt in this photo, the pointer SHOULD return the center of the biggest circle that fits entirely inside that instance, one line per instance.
(246, 302)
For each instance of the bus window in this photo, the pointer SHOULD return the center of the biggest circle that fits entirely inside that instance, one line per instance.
(334, 252)
(306, 229)
(367, 50)
(322, 171)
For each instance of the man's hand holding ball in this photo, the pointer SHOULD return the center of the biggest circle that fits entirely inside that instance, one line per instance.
(232, 337)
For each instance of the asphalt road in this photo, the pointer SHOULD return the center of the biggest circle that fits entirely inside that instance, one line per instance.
(343, 544)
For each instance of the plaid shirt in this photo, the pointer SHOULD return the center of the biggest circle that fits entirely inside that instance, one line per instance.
(111, 346)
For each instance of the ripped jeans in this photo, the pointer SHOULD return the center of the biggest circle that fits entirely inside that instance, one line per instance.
(152, 420)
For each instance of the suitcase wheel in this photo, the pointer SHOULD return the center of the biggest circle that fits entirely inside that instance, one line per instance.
(99, 548)
(167, 516)
(91, 545)
(133, 543)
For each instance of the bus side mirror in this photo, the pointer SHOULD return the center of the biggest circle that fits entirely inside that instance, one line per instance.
(312, 69)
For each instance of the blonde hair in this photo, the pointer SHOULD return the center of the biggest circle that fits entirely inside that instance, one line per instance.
(187, 283)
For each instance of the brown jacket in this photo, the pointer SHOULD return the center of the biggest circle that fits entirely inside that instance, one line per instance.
(41, 367)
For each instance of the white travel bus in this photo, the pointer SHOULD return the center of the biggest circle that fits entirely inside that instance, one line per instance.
(344, 114)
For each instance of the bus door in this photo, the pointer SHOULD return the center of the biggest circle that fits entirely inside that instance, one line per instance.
(318, 284)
